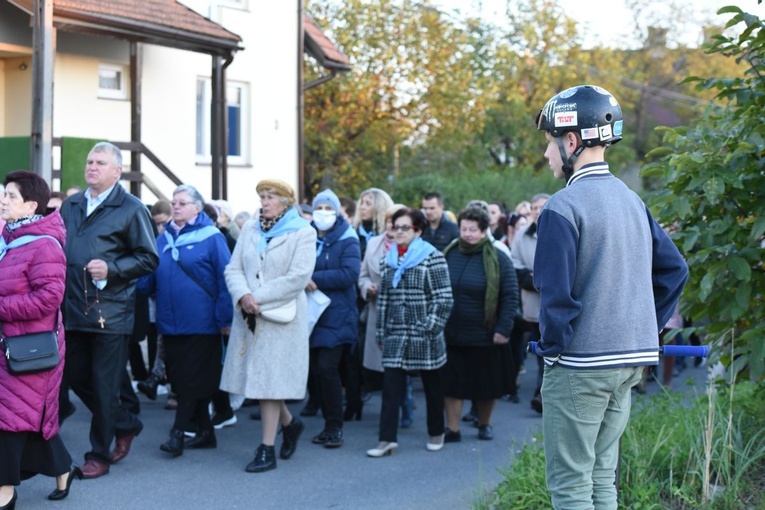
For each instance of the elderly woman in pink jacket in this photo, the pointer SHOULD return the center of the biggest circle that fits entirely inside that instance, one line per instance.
(33, 272)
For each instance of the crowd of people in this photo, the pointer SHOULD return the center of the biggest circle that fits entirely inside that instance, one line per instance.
(334, 300)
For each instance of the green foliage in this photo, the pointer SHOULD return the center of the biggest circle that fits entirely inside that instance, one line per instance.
(459, 188)
(524, 484)
(713, 193)
(664, 455)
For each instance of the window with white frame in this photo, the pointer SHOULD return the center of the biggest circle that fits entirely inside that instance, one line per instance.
(112, 81)
(237, 114)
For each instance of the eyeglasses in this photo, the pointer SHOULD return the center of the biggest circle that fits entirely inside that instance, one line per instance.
(182, 203)
(403, 228)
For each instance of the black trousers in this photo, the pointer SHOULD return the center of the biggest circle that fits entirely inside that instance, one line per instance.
(534, 336)
(516, 353)
(95, 369)
(221, 401)
(394, 388)
(325, 367)
(351, 367)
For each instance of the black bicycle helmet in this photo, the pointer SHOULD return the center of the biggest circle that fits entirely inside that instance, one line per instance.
(590, 111)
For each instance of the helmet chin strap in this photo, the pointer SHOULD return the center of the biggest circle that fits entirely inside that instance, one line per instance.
(568, 161)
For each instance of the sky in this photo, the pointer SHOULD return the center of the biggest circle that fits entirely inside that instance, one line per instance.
(610, 22)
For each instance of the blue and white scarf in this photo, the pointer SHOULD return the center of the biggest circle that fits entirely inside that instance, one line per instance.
(193, 237)
(21, 241)
(290, 222)
(418, 251)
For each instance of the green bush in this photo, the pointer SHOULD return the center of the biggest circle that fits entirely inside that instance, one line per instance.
(675, 455)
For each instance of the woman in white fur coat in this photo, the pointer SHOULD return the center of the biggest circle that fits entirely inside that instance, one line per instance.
(271, 265)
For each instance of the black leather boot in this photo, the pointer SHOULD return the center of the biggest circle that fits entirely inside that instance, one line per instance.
(174, 443)
(265, 460)
(149, 387)
(290, 435)
(203, 439)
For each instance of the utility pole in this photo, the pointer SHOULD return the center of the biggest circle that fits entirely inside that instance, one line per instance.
(43, 51)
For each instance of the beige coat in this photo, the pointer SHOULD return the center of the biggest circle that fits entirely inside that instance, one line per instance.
(370, 274)
(272, 364)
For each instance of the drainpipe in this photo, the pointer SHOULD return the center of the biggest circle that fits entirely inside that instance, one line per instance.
(300, 188)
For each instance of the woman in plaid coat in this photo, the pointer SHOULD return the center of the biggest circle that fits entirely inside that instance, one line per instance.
(415, 300)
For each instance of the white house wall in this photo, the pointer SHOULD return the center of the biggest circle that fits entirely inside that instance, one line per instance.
(268, 65)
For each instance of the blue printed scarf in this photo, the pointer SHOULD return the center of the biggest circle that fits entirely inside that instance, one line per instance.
(418, 251)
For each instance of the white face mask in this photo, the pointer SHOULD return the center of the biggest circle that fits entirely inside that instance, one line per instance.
(324, 219)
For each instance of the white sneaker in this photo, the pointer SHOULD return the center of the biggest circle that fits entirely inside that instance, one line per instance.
(162, 389)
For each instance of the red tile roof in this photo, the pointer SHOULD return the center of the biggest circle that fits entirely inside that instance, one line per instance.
(164, 22)
(168, 13)
(317, 41)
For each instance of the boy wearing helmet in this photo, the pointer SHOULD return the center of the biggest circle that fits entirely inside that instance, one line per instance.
(609, 278)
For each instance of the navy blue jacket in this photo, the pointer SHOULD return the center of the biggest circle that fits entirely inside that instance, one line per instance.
(446, 232)
(338, 264)
(608, 275)
(191, 306)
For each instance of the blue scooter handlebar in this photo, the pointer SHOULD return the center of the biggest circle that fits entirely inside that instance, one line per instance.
(697, 351)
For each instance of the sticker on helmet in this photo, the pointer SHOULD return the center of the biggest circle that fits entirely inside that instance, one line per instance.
(547, 111)
(605, 132)
(565, 107)
(618, 128)
(568, 93)
(612, 100)
(589, 133)
(565, 119)
(601, 90)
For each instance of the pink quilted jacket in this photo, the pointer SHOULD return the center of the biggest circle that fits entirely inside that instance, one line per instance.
(33, 279)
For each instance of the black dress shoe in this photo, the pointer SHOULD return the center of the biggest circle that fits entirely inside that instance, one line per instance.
(536, 403)
(265, 460)
(334, 438)
(149, 387)
(204, 439)
(290, 435)
(451, 436)
(58, 494)
(174, 443)
(321, 437)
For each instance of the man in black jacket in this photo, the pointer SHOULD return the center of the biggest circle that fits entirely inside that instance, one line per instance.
(109, 245)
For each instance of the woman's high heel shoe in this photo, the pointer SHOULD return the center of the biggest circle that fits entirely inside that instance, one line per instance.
(381, 452)
(12, 503)
(59, 494)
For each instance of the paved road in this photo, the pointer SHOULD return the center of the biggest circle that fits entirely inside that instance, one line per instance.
(314, 478)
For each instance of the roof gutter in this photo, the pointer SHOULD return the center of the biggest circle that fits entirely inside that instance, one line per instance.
(320, 80)
(114, 24)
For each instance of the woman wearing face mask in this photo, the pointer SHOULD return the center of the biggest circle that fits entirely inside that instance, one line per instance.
(338, 263)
